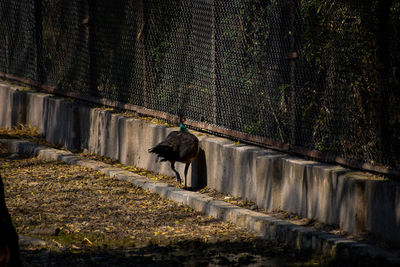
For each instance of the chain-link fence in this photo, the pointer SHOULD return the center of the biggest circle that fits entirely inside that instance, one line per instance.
(321, 76)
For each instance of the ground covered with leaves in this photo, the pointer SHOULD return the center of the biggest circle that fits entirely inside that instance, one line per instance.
(71, 215)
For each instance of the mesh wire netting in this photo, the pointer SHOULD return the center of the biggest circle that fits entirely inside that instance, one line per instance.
(321, 75)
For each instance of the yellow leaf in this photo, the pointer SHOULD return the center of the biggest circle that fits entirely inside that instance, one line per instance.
(86, 240)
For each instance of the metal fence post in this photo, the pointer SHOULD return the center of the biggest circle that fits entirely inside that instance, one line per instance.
(213, 63)
(38, 37)
(295, 131)
(91, 37)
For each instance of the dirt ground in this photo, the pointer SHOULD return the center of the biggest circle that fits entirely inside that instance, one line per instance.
(70, 215)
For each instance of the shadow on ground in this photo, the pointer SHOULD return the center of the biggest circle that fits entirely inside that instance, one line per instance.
(185, 253)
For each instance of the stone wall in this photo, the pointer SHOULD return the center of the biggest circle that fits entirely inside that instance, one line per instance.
(356, 201)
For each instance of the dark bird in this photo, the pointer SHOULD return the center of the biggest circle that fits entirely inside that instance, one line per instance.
(180, 146)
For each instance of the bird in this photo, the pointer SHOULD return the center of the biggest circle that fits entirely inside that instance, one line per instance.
(179, 146)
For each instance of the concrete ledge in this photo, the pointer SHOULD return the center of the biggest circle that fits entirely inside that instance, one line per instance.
(13, 105)
(348, 252)
(275, 181)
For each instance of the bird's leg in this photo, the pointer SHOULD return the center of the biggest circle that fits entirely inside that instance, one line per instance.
(178, 177)
(186, 170)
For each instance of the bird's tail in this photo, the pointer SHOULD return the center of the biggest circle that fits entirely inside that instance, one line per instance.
(163, 152)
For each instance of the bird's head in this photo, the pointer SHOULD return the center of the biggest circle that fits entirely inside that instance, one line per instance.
(182, 126)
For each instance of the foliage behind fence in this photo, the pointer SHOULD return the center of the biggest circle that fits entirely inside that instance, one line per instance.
(320, 75)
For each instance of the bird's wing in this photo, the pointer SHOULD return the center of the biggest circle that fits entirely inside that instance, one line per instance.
(178, 146)
(189, 146)
(169, 148)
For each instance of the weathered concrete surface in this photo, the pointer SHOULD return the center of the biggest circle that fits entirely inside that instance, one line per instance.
(36, 110)
(346, 252)
(232, 169)
(328, 193)
(269, 178)
(273, 180)
(13, 106)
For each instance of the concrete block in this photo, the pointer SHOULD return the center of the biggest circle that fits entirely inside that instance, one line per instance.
(82, 113)
(295, 185)
(112, 140)
(189, 197)
(49, 154)
(37, 149)
(268, 180)
(127, 136)
(138, 137)
(213, 157)
(5, 111)
(324, 198)
(13, 109)
(176, 195)
(231, 168)
(319, 191)
(114, 172)
(92, 164)
(124, 175)
(342, 247)
(71, 159)
(260, 224)
(36, 111)
(60, 122)
(220, 209)
(161, 185)
(129, 177)
(149, 186)
(140, 182)
(155, 187)
(18, 100)
(302, 237)
(16, 145)
(163, 190)
(242, 217)
(377, 207)
(99, 122)
(198, 202)
(55, 120)
(319, 241)
(24, 147)
(110, 171)
(239, 170)
(282, 230)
